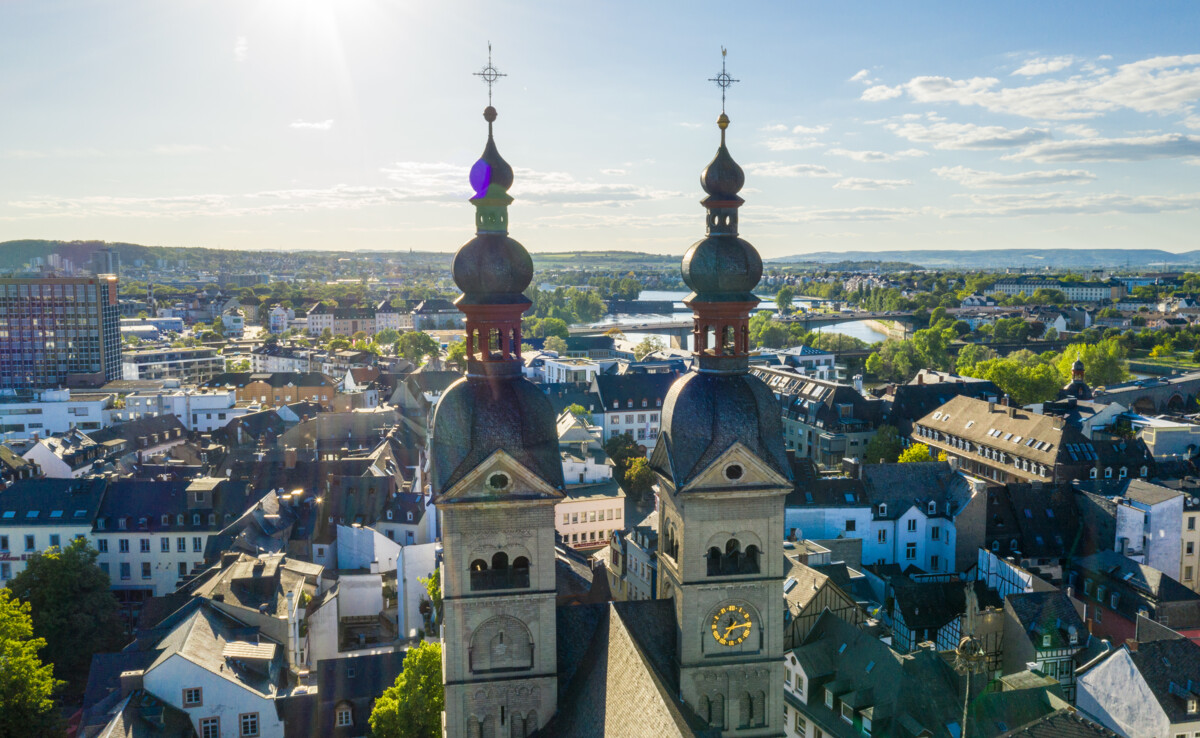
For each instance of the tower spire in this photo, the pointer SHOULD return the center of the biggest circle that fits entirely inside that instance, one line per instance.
(492, 269)
(722, 269)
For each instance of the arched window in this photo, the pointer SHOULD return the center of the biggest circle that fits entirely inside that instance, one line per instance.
(500, 560)
(758, 709)
(733, 556)
(717, 712)
(883, 509)
(478, 565)
(746, 710)
(750, 560)
(714, 561)
(1108, 472)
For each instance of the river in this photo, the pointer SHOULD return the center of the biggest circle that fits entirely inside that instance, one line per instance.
(858, 329)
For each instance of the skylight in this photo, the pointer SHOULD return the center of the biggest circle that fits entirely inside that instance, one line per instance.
(841, 648)
(10, 514)
(31, 514)
(56, 513)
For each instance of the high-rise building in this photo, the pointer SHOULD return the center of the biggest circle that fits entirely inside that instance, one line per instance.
(59, 331)
(106, 261)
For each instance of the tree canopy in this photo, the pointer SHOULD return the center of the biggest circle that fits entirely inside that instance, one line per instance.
(415, 346)
(412, 707)
(26, 684)
(884, 447)
(72, 608)
(915, 454)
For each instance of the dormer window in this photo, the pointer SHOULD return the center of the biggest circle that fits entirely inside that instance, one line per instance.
(882, 509)
(829, 698)
(932, 507)
(644, 403)
(1046, 641)
(410, 517)
(166, 520)
(1092, 474)
(1192, 705)
(629, 403)
(1144, 471)
(1108, 472)
(389, 514)
(1122, 473)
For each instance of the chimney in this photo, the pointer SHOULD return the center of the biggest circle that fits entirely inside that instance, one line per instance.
(1012, 411)
(289, 457)
(131, 681)
(991, 406)
(920, 378)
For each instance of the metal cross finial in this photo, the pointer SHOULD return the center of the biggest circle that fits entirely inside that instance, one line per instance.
(490, 74)
(723, 80)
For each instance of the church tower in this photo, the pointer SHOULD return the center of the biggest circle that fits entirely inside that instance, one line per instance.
(496, 475)
(723, 476)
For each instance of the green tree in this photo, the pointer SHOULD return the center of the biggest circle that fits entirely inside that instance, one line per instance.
(456, 356)
(415, 346)
(916, 453)
(579, 411)
(72, 608)
(556, 344)
(387, 336)
(1103, 362)
(884, 447)
(639, 479)
(547, 327)
(433, 589)
(970, 355)
(412, 707)
(767, 333)
(784, 298)
(26, 684)
(648, 345)
(621, 448)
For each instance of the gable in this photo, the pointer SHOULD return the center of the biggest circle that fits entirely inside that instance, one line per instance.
(522, 483)
(737, 467)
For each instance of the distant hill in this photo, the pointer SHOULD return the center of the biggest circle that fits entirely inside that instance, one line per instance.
(1004, 258)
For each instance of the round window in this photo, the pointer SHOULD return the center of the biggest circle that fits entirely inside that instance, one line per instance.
(734, 472)
(498, 481)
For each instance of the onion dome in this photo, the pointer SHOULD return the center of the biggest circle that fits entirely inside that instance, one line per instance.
(492, 269)
(723, 179)
(722, 267)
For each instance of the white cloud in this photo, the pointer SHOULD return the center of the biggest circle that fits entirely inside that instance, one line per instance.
(881, 92)
(876, 156)
(791, 144)
(810, 129)
(863, 183)
(1054, 203)
(779, 169)
(861, 75)
(979, 179)
(1034, 67)
(1080, 130)
(968, 135)
(240, 49)
(1137, 148)
(770, 215)
(777, 128)
(613, 172)
(311, 125)
(1163, 85)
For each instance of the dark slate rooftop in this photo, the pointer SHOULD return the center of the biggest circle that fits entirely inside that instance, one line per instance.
(1167, 663)
(705, 414)
(51, 502)
(617, 673)
(1048, 613)
(904, 485)
(933, 604)
(1065, 723)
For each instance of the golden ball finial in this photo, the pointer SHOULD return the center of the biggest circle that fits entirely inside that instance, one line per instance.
(723, 122)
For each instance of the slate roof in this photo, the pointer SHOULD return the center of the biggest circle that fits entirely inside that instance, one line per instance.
(154, 430)
(933, 604)
(1138, 576)
(901, 486)
(906, 693)
(142, 715)
(1048, 613)
(907, 403)
(356, 680)
(144, 502)
(478, 416)
(55, 501)
(705, 414)
(254, 583)
(1065, 723)
(1041, 522)
(617, 674)
(239, 380)
(636, 387)
(1169, 663)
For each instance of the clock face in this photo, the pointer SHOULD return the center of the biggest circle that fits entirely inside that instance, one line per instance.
(731, 625)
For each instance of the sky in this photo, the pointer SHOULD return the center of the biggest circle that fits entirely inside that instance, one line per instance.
(352, 124)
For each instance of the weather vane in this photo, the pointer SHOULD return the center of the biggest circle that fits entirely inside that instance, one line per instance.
(490, 74)
(723, 80)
